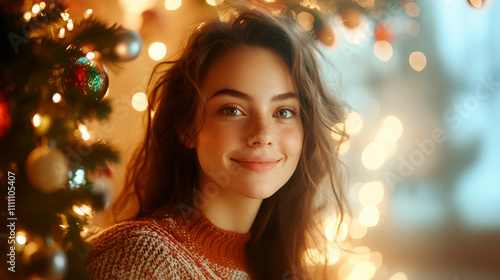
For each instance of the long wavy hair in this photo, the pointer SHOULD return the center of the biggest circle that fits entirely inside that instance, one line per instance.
(164, 171)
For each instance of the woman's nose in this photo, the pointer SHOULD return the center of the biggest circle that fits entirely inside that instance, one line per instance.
(260, 132)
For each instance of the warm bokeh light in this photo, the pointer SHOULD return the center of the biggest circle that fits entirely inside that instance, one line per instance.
(56, 98)
(337, 127)
(369, 216)
(62, 33)
(214, 2)
(21, 237)
(27, 16)
(70, 25)
(89, 11)
(373, 156)
(355, 36)
(332, 231)
(35, 9)
(305, 20)
(332, 254)
(412, 27)
(353, 123)
(394, 126)
(172, 5)
(90, 55)
(363, 270)
(42, 5)
(36, 120)
(412, 9)
(344, 147)
(371, 193)
(78, 211)
(383, 50)
(356, 230)
(398, 276)
(65, 16)
(377, 259)
(157, 51)
(418, 61)
(140, 101)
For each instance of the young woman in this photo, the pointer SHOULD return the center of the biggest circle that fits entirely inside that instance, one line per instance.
(228, 177)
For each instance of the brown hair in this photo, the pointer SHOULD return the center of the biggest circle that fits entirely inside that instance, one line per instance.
(164, 171)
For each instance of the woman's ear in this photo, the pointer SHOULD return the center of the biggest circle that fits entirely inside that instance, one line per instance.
(188, 143)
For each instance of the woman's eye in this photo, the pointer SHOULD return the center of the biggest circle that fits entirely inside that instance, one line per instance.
(231, 111)
(285, 113)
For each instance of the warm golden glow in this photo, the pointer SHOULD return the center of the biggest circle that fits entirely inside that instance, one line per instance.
(394, 126)
(27, 16)
(214, 2)
(70, 25)
(383, 50)
(56, 98)
(356, 230)
(369, 216)
(36, 120)
(337, 127)
(42, 5)
(65, 16)
(305, 20)
(140, 101)
(373, 156)
(90, 55)
(331, 226)
(412, 9)
(157, 51)
(35, 9)
(398, 276)
(21, 237)
(353, 123)
(172, 5)
(418, 61)
(371, 193)
(363, 270)
(377, 259)
(344, 147)
(78, 211)
(62, 33)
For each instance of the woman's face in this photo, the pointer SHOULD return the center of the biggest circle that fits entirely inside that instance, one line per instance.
(251, 141)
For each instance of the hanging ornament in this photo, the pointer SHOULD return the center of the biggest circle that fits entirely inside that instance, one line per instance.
(127, 44)
(382, 32)
(5, 119)
(351, 17)
(87, 76)
(44, 259)
(46, 169)
(326, 36)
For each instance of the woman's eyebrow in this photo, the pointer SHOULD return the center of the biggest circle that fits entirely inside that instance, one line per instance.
(245, 96)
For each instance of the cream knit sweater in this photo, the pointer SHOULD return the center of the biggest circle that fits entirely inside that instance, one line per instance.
(162, 247)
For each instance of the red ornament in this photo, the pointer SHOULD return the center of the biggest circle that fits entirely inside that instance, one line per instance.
(5, 119)
(382, 32)
(87, 76)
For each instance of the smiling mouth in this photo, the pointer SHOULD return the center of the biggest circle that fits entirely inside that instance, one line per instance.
(260, 166)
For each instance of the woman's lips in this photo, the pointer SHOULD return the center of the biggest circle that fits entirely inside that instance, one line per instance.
(259, 164)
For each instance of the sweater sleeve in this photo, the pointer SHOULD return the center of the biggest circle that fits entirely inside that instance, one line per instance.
(133, 250)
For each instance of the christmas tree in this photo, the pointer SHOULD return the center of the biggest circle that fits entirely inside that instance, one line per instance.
(52, 84)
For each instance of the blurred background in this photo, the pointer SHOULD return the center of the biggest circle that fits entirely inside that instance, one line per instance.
(422, 79)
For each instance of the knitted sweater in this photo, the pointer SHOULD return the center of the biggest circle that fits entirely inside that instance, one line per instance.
(162, 247)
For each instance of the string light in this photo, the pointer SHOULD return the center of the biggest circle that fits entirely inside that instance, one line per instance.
(214, 2)
(65, 16)
(35, 9)
(90, 55)
(42, 5)
(36, 120)
(56, 98)
(21, 237)
(27, 16)
(77, 210)
(62, 33)
(70, 25)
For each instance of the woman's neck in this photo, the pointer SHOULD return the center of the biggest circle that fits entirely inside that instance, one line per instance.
(230, 211)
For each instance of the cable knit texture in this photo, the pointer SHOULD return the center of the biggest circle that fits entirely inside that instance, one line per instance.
(162, 247)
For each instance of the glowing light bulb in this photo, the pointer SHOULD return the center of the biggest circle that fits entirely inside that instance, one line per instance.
(214, 2)
(21, 237)
(35, 9)
(70, 25)
(90, 55)
(62, 33)
(77, 210)
(27, 16)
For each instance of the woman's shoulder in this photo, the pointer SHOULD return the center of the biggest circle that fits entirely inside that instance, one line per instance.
(131, 250)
